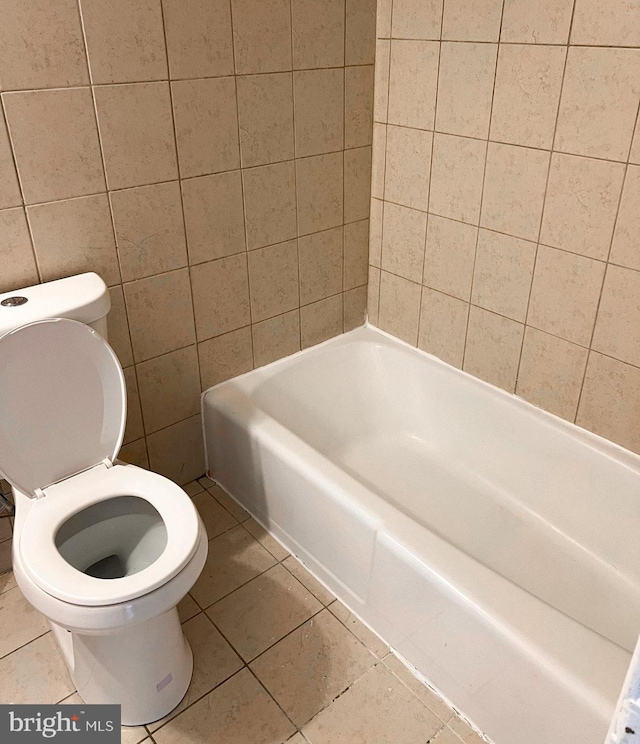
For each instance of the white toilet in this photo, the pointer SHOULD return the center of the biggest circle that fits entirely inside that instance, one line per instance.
(103, 549)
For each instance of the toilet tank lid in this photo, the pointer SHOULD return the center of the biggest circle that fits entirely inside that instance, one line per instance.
(84, 297)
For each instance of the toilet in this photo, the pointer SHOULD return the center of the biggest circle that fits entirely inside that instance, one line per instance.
(103, 549)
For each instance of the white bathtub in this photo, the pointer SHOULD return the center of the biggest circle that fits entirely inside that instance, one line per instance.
(494, 546)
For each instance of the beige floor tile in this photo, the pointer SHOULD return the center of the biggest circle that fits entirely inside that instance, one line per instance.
(446, 736)
(213, 661)
(464, 731)
(237, 712)
(206, 482)
(5, 558)
(234, 558)
(128, 734)
(193, 488)
(215, 517)
(21, 622)
(265, 539)
(229, 504)
(293, 565)
(311, 666)
(297, 738)
(187, 608)
(263, 611)
(418, 688)
(376, 709)
(7, 582)
(35, 673)
(359, 629)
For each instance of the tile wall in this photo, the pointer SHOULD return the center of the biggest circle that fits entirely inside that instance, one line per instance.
(211, 161)
(505, 218)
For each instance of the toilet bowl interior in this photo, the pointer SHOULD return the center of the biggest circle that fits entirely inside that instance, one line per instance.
(114, 538)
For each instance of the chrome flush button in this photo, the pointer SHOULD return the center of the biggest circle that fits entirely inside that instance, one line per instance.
(14, 301)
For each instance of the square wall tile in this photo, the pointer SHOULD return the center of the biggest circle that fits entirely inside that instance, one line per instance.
(177, 452)
(356, 253)
(273, 280)
(319, 111)
(379, 155)
(270, 204)
(465, 88)
(199, 40)
(449, 256)
(403, 239)
(551, 373)
(634, 155)
(41, 45)
(624, 250)
(527, 92)
(55, 141)
(10, 195)
(74, 236)
(19, 260)
(502, 274)
(443, 326)
(318, 33)
(354, 308)
(276, 338)
(224, 357)
(381, 81)
(202, 107)
(617, 331)
(413, 77)
(383, 23)
(581, 204)
(160, 314)
(149, 229)
(136, 129)
(214, 216)
(408, 166)
(220, 296)
(542, 22)
(357, 183)
(320, 265)
(134, 429)
(564, 295)
(399, 307)
(599, 102)
(360, 32)
(493, 348)
(373, 295)
(135, 453)
(319, 185)
(472, 20)
(262, 36)
(514, 188)
(615, 23)
(416, 19)
(358, 106)
(321, 320)
(375, 232)
(125, 41)
(265, 116)
(457, 171)
(118, 327)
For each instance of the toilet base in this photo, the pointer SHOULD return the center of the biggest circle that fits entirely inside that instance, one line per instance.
(145, 668)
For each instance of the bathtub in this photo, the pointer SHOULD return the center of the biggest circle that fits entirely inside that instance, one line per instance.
(493, 546)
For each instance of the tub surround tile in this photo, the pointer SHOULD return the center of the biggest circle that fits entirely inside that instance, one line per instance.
(399, 307)
(319, 183)
(262, 36)
(318, 33)
(472, 20)
(319, 111)
(177, 452)
(265, 539)
(321, 264)
(543, 22)
(634, 156)
(381, 81)
(10, 195)
(378, 152)
(624, 249)
(383, 22)
(449, 256)
(357, 184)
(354, 308)
(443, 326)
(358, 106)
(356, 243)
(321, 321)
(408, 164)
(413, 79)
(225, 356)
(118, 328)
(20, 269)
(403, 241)
(616, 23)
(274, 280)
(416, 20)
(375, 232)
(617, 331)
(276, 338)
(270, 204)
(294, 566)
(360, 32)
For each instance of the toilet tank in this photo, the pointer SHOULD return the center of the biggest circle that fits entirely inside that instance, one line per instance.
(84, 297)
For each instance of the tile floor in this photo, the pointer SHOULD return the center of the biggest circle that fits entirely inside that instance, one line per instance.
(276, 657)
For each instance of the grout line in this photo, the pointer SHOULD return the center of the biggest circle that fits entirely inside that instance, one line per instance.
(24, 645)
(295, 177)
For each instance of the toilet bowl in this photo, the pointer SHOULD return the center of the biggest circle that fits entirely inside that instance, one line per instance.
(104, 550)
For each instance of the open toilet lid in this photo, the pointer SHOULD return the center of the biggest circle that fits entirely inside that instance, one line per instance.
(62, 402)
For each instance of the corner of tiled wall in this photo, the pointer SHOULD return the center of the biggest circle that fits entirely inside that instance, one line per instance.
(505, 215)
(211, 161)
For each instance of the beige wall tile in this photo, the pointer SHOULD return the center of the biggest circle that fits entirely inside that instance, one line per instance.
(403, 240)
(220, 296)
(177, 452)
(276, 337)
(318, 33)
(625, 249)
(472, 20)
(465, 88)
(414, 19)
(617, 331)
(383, 23)
(373, 295)
(493, 348)
(564, 294)
(514, 188)
(381, 81)
(320, 199)
(379, 152)
(118, 327)
(270, 204)
(160, 314)
(354, 308)
(273, 280)
(125, 41)
(357, 183)
(399, 307)
(214, 216)
(457, 171)
(356, 253)
(581, 204)
(55, 141)
(74, 236)
(10, 195)
(614, 23)
(449, 256)
(358, 106)
(527, 92)
(443, 326)
(413, 77)
(149, 229)
(199, 40)
(408, 166)
(135, 428)
(225, 356)
(265, 116)
(169, 388)
(200, 108)
(551, 373)
(19, 265)
(599, 102)
(375, 232)
(502, 274)
(135, 453)
(542, 22)
(262, 35)
(320, 265)
(634, 156)
(360, 32)
(610, 402)
(41, 45)
(319, 111)
(321, 320)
